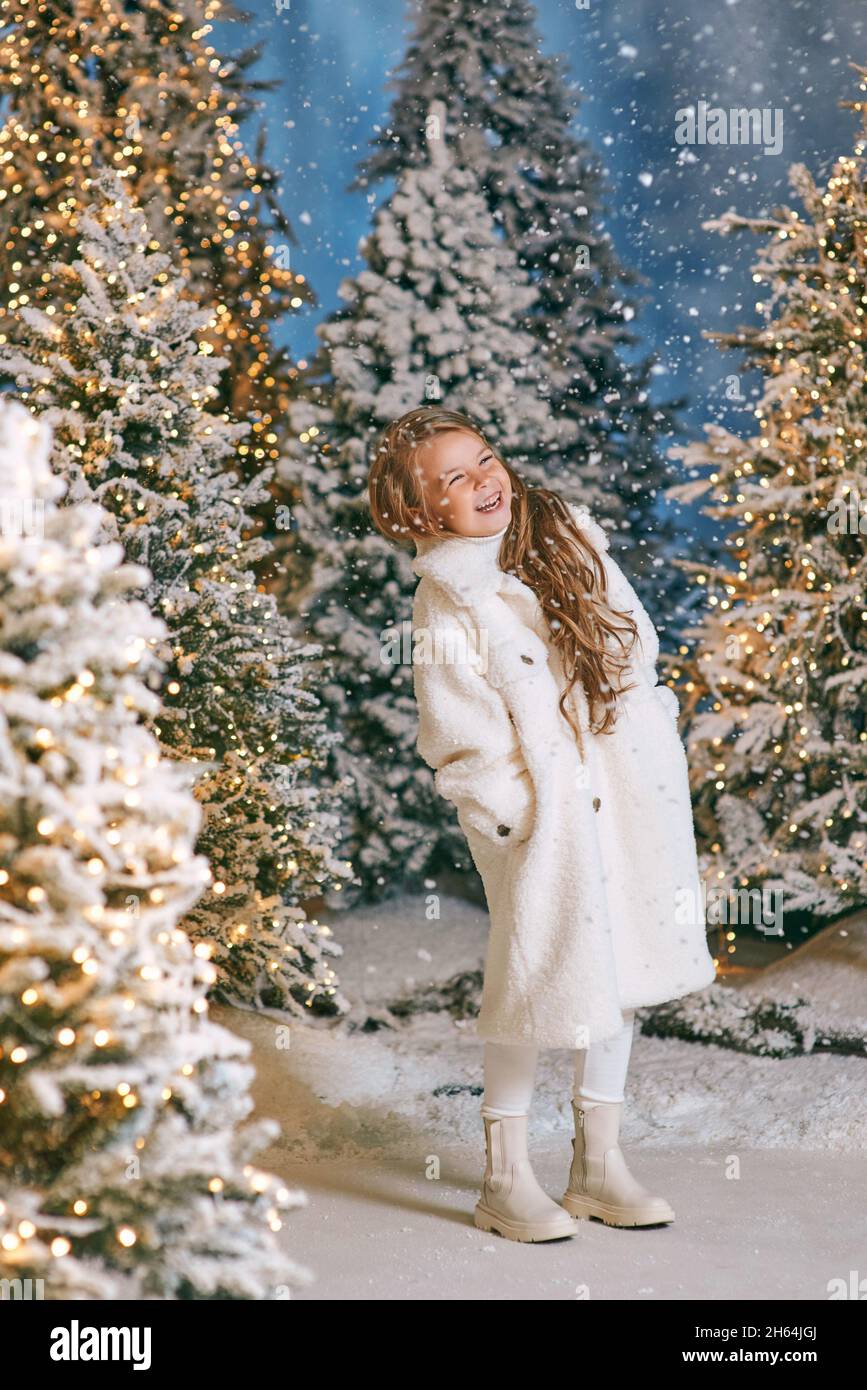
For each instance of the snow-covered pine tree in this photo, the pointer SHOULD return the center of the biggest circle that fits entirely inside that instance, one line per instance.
(139, 88)
(510, 111)
(120, 377)
(434, 316)
(772, 678)
(124, 1165)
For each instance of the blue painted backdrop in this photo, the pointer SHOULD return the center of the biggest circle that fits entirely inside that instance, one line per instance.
(637, 62)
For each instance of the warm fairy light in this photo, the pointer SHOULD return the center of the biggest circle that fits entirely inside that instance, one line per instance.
(215, 211)
(232, 261)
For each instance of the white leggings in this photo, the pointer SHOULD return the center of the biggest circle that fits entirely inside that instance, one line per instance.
(600, 1072)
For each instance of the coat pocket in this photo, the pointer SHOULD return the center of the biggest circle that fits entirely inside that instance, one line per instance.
(501, 805)
(518, 662)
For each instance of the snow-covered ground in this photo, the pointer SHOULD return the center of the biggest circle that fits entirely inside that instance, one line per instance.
(764, 1159)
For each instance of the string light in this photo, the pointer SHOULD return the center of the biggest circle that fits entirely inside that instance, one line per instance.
(93, 978)
(213, 211)
(764, 676)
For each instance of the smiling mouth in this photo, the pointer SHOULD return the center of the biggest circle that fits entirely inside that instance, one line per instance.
(492, 502)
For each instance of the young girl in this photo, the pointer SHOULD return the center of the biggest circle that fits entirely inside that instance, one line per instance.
(534, 670)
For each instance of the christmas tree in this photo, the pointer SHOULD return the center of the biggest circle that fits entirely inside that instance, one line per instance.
(125, 379)
(89, 85)
(124, 1166)
(434, 316)
(772, 677)
(510, 111)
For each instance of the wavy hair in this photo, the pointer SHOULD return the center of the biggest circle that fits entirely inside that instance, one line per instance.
(543, 547)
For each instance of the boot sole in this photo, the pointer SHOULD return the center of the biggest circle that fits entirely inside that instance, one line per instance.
(488, 1220)
(584, 1208)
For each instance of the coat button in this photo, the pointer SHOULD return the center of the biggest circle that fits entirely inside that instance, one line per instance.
(504, 830)
(597, 802)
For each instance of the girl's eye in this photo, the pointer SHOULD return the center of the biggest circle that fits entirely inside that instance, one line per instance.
(486, 458)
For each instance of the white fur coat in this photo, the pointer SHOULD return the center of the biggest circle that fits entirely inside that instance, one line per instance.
(589, 867)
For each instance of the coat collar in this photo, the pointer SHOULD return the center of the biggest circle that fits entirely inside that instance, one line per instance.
(467, 567)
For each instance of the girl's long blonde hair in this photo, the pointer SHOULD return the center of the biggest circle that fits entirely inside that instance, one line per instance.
(543, 547)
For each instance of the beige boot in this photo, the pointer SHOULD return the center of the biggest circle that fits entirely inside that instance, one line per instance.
(600, 1184)
(512, 1202)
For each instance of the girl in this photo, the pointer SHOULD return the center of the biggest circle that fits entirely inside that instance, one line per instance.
(534, 667)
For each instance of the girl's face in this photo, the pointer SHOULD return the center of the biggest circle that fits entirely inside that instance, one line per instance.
(465, 483)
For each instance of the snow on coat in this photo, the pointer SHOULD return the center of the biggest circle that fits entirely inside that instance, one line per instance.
(589, 866)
